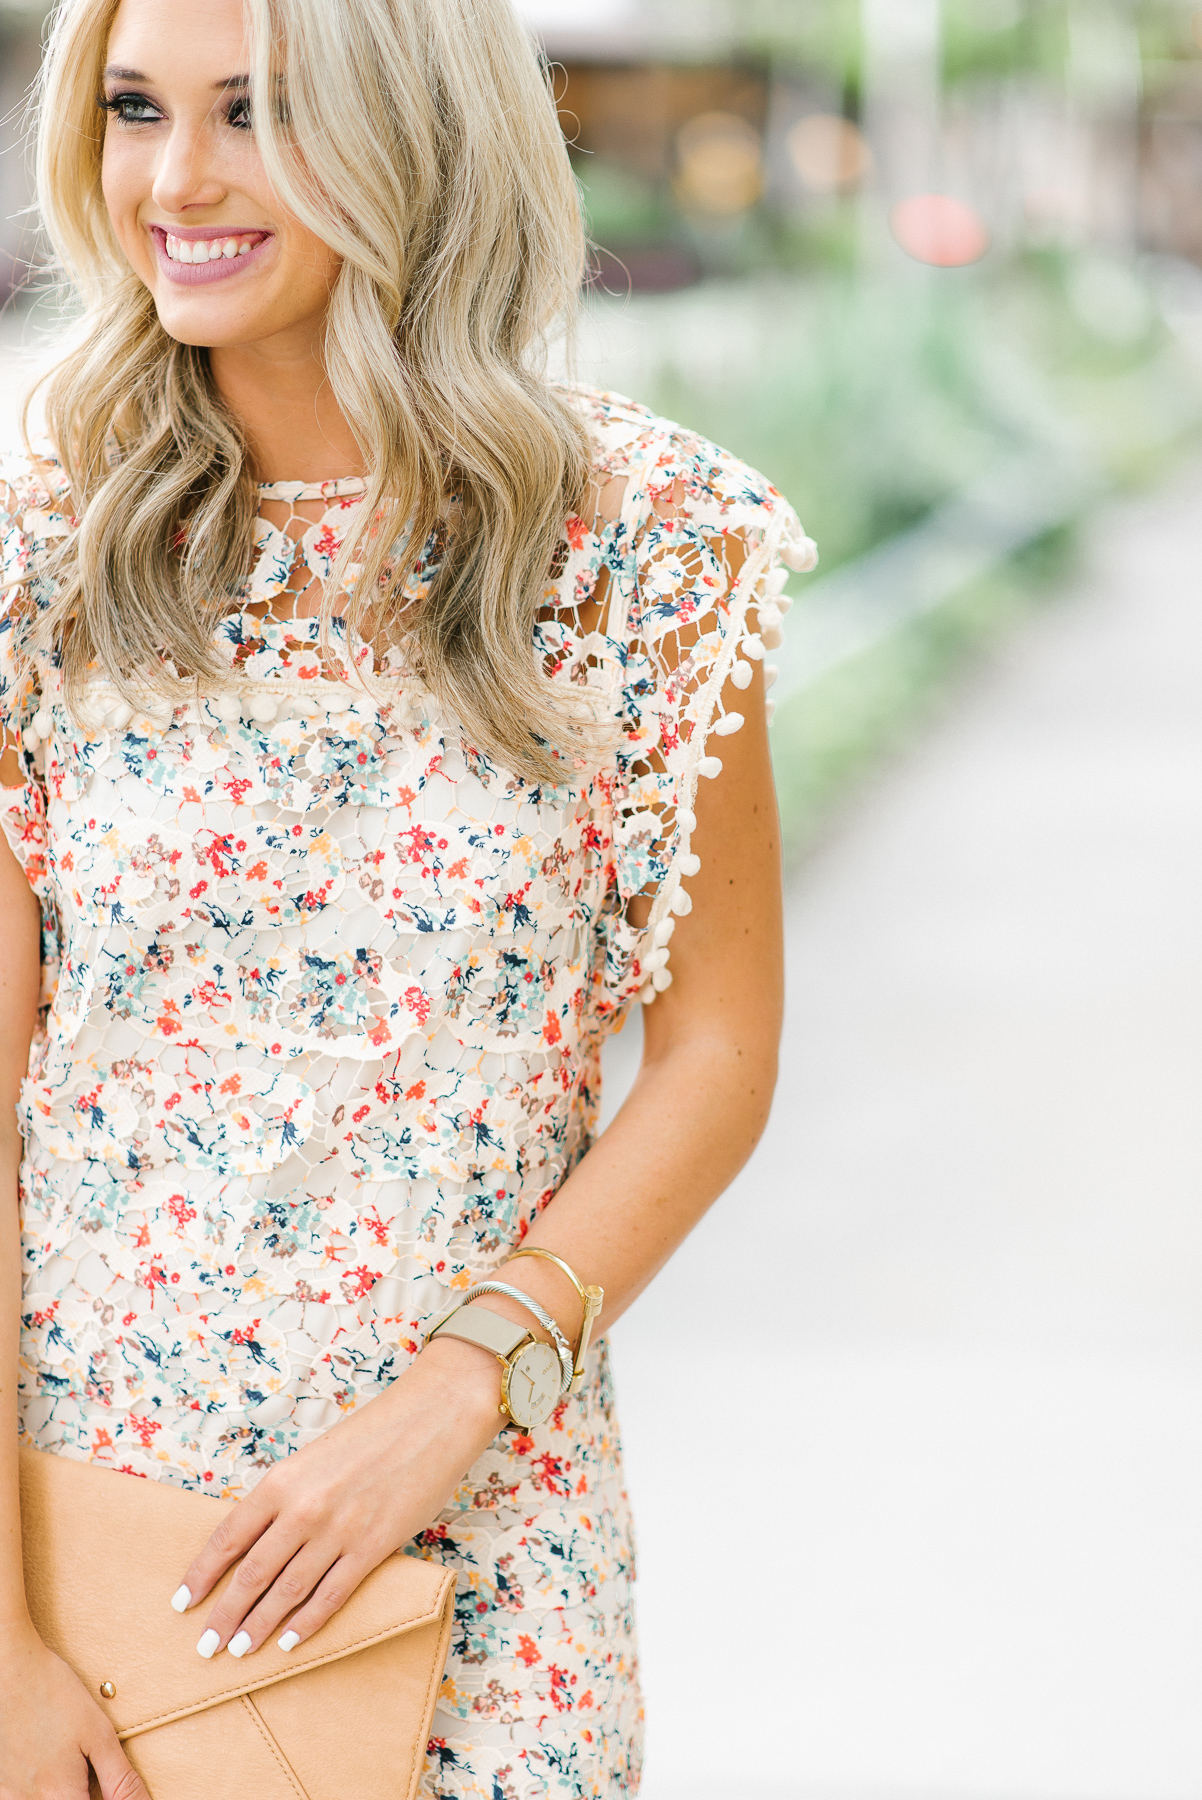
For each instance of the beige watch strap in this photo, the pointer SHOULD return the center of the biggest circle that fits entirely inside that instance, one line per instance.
(476, 1325)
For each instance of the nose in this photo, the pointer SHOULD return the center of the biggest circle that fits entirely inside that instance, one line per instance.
(184, 173)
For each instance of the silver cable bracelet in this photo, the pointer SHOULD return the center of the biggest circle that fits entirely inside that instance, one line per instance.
(563, 1348)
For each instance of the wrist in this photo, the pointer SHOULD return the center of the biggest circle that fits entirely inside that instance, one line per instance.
(470, 1380)
(18, 1638)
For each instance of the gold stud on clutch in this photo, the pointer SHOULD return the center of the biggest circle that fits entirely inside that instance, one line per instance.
(108, 1690)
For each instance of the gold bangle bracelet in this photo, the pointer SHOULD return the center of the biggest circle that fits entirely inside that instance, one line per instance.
(591, 1298)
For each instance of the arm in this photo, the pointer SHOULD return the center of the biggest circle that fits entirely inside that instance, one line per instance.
(319, 1522)
(50, 1727)
(710, 1041)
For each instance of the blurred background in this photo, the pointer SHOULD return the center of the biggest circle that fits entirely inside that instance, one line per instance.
(914, 1421)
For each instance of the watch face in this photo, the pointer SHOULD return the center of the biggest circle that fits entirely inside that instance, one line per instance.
(532, 1381)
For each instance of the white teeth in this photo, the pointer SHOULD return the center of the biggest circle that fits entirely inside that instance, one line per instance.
(205, 250)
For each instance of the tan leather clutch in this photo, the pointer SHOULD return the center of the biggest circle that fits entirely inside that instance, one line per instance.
(345, 1714)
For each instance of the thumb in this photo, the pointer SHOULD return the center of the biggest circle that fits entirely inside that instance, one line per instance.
(118, 1778)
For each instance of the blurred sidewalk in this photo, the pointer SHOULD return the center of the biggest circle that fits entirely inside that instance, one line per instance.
(914, 1421)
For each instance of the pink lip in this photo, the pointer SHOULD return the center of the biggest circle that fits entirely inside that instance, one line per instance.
(193, 274)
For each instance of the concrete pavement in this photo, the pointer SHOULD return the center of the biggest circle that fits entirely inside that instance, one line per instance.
(919, 1499)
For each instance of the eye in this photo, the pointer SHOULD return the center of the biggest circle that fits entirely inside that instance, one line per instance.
(131, 109)
(238, 114)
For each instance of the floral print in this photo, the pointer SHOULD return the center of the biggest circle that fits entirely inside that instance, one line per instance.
(325, 990)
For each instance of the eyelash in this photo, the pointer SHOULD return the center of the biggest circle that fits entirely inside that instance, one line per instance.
(116, 104)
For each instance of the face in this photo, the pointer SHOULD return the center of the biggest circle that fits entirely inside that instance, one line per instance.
(185, 188)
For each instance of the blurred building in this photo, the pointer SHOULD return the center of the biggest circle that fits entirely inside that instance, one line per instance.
(734, 135)
(721, 136)
(1170, 161)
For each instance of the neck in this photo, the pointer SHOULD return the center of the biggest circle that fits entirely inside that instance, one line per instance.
(280, 392)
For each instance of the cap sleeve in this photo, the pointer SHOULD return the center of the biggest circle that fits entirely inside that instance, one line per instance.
(31, 520)
(711, 544)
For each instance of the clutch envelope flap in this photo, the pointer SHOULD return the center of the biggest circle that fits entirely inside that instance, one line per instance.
(104, 1552)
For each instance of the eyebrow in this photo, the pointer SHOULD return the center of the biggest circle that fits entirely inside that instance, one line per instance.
(113, 73)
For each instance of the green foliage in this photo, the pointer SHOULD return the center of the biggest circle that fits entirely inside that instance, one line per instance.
(1164, 30)
(620, 205)
(984, 37)
(870, 400)
(1003, 37)
(826, 238)
(872, 418)
(828, 739)
(980, 37)
(820, 34)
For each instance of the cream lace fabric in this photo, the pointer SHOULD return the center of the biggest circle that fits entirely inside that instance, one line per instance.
(325, 996)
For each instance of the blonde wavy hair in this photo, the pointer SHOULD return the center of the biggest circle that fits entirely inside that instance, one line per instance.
(457, 219)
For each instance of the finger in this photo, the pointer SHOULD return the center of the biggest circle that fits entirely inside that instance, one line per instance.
(260, 1566)
(118, 1779)
(232, 1538)
(334, 1590)
(290, 1589)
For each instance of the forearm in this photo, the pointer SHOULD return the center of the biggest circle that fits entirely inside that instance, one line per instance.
(703, 1092)
(690, 1122)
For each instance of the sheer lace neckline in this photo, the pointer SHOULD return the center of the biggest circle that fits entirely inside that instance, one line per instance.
(345, 486)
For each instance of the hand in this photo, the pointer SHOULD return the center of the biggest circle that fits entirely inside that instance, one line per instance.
(51, 1729)
(323, 1519)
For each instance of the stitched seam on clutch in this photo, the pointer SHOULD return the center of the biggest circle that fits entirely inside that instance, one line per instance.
(436, 1675)
(261, 1723)
(312, 1662)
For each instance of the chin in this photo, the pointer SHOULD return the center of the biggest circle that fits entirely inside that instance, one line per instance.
(184, 334)
(202, 325)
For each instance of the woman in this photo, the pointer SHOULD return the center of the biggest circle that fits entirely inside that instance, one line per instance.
(357, 682)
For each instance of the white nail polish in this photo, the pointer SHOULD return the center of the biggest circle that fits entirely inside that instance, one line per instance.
(208, 1643)
(239, 1644)
(290, 1640)
(181, 1600)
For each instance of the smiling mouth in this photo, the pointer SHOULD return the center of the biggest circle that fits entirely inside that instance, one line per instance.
(214, 249)
(199, 257)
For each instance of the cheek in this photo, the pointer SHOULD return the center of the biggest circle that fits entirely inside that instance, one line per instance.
(121, 184)
(312, 267)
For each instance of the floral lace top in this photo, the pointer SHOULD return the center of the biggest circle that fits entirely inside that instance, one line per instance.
(325, 992)
(325, 987)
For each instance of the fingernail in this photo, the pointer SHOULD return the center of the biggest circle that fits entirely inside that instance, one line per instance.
(181, 1600)
(240, 1644)
(290, 1640)
(208, 1643)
